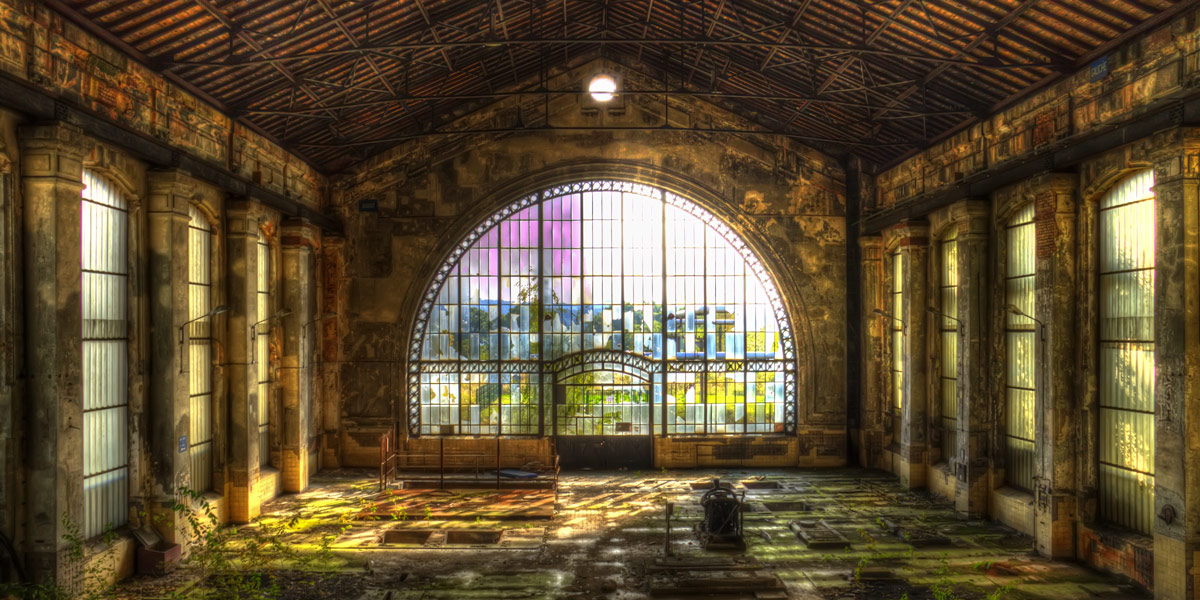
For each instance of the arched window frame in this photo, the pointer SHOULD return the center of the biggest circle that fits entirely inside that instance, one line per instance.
(422, 370)
(1126, 222)
(1021, 342)
(265, 333)
(896, 263)
(107, 222)
(203, 275)
(947, 328)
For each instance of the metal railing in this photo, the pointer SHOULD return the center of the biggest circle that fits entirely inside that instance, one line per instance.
(393, 460)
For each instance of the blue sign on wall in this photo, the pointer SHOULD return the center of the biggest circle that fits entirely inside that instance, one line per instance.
(183, 443)
(1099, 69)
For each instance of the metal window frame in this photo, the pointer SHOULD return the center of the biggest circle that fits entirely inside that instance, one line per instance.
(784, 367)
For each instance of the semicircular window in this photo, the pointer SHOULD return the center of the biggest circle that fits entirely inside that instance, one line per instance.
(601, 308)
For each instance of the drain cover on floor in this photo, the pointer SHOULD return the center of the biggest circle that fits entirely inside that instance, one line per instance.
(798, 506)
(818, 534)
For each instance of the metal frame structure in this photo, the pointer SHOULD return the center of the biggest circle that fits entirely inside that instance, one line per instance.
(339, 81)
(544, 371)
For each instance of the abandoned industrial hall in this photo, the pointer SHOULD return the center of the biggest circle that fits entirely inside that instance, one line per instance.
(599, 299)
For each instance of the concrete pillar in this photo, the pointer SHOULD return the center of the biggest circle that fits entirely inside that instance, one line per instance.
(51, 183)
(1056, 301)
(1177, 365)
(167, 203)
(872, 423)
(975, 404)
(914, 431)
(242, 222)
(299, 296)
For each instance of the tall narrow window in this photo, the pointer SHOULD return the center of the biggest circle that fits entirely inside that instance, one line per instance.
(200, 348)
(262, 341)
(948, 329)
(897, 342)
(105, 298)
(1020, 337)
(1126, 247)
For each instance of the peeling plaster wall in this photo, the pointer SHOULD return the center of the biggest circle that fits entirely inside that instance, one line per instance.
(39, 46)
(786, 200)
(1159, 66)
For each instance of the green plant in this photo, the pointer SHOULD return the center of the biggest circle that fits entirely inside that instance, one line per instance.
(862, 564)
(1001, 591)
(96, 580)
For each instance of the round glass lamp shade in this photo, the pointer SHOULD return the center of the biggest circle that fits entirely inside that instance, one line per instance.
(602, 87)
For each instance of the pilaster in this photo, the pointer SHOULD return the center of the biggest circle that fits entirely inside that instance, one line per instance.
(914, 431)
(242, 220)
(975, 405)
(1056, 300)
(300, 239)
(51, 184)
(1177, 367)
(872, 422)
(167, 203)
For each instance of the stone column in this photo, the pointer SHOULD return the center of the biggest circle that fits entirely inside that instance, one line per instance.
(242, 222)
(872, 422)
(975, 404)
(1177, 365)
(167, 203)
(51, 184)
(1056, 306)
(914, 431)
(299, 296)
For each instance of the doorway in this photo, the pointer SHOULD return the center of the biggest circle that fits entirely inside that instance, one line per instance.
(603, 420)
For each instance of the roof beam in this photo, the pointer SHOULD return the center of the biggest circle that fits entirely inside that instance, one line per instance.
(686, 42)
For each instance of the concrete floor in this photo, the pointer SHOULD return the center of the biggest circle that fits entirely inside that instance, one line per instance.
(607, 541)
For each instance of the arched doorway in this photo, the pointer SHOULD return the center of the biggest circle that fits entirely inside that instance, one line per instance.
(602, 309)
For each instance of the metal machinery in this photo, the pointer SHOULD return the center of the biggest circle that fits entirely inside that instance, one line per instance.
(721, 528)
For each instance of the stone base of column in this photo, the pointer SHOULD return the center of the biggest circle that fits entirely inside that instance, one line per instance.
(246, 500)
(172, 525)
(971, 497)
(912, 469)
(330, 454)
(295, 470)
(1055, 522)
(1174, 566)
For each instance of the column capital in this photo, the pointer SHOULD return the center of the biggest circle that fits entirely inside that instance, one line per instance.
(5, 159)
(972, 216)
(300, 233)
(170, 190)
(243, 217)
(52, 150)
(1056, 181)
(911, 232)
(872, 247)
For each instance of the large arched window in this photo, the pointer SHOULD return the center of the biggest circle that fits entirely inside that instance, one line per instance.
(1126, 386)
(587, 297)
